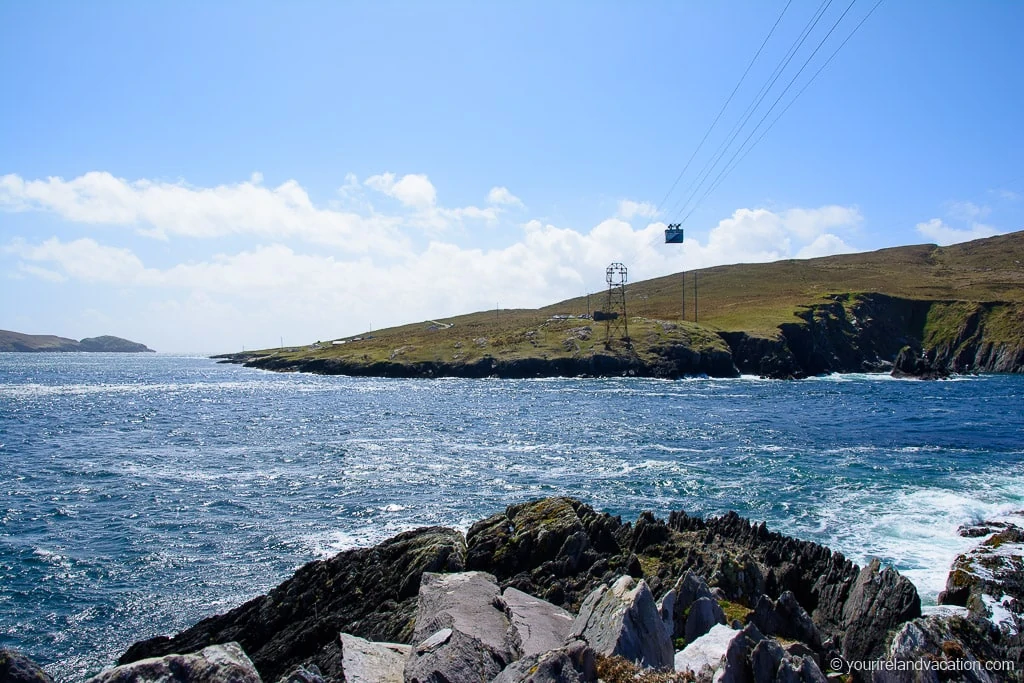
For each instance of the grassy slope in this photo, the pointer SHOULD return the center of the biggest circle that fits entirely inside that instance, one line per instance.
(17, 341)
(754, 298)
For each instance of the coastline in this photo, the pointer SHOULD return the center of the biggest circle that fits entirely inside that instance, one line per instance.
(561, 550)
(849, 334)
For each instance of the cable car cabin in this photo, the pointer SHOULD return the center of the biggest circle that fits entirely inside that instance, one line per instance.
(674, 234)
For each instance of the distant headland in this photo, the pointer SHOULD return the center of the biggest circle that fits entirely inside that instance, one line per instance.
(920, 311)
(48, 343)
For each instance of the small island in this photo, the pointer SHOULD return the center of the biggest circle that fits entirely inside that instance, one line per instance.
(17, 342)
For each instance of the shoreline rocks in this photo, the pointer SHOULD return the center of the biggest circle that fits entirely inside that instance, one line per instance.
(554, 590)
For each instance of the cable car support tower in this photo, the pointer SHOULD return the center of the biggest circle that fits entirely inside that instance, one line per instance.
(614, 315)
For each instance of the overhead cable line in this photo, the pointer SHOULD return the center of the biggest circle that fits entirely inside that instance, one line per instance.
(795, 98)
(712, 163)
(722, 110)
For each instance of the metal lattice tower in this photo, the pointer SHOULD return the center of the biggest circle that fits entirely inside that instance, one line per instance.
(616, 323)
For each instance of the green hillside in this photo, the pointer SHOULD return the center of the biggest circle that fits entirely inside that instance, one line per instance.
(758, 300)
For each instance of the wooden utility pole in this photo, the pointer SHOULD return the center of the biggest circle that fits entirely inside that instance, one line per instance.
(683, 274)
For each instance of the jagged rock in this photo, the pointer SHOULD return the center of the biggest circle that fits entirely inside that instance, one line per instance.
(364, 661)
(688, 589)
(548, 548)
(786, 618)
(649, 531)
(945, 640)
(574, 663)
(879, 601)
(623, 620)
(302, 674)
(989, 580)
(704, 613)
(666, 610)
(559, 550)
(17, 668)
(739, 578)
(462, 634)
(368, 592)
(225, 663)
(541, 626)
(909, 363)
(771, 663)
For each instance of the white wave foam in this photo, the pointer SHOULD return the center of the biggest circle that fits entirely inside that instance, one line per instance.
(917, 529)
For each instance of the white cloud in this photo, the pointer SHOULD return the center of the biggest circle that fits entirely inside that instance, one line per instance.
(502, 196)
(416, 192)
(628, 209)
(162, 209)
(414, 189)
(255, 294)
(547, 263)
(759, 235)
(85, 260)
(941, 233)
(810, 224)
(1006, 195)
(825, 245)
(40, 273)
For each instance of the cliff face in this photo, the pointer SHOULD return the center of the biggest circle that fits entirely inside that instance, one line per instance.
(865, 332)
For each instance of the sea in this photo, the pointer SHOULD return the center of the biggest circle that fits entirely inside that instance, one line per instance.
(141, 493)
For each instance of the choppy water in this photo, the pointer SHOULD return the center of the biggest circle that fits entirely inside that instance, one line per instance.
(141, 493)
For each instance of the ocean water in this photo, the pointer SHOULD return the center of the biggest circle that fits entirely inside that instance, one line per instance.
(139, 494)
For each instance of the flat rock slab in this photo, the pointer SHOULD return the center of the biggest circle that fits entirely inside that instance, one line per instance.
(707, 652)
(541, 626)
(215, 664)
(623, 620)
(364, 661)
(462, 634)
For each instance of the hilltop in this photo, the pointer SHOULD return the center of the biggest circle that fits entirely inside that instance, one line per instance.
(42, 343)
(960, 307)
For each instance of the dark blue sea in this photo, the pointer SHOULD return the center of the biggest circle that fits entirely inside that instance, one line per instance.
(141, 493)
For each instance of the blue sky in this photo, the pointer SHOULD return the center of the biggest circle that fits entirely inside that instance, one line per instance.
(202, 176)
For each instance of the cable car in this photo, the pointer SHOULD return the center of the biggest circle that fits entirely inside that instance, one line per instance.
(674, 233)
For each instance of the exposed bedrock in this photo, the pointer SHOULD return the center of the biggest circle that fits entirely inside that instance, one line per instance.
(737, 598)
(369, 592)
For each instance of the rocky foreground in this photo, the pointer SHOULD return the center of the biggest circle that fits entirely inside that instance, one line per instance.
(552, 590)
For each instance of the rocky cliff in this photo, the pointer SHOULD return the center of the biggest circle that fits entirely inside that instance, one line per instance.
(865, 333)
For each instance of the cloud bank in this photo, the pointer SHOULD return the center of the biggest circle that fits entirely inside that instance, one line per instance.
(319, 271)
